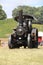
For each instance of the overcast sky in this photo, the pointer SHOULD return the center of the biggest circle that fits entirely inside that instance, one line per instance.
(9, 5)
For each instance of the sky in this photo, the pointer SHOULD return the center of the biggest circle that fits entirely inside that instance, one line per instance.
(9, 5)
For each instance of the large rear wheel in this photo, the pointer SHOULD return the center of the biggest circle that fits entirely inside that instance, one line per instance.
(34, 39)
(29, 44)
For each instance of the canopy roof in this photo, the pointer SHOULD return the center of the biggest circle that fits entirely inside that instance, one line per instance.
(24, 17)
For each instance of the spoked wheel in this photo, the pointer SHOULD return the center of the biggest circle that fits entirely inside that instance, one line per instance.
(34, 38)
(29, 44)
(36, 42)
(9, 43)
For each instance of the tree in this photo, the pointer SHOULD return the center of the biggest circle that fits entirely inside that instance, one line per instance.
(36, 12)
(2, 13)
(26, 10)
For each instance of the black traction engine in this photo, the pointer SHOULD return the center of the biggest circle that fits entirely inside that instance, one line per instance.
(24, 34)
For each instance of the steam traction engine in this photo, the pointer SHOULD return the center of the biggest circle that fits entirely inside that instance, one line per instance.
(24, 34)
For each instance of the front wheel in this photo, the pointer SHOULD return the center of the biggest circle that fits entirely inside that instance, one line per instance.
(9, 43)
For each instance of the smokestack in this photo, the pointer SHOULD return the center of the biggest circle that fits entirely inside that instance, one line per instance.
(20, 17)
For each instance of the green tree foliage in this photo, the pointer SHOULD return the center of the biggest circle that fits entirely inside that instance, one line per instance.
(37, 12)
(2, 14)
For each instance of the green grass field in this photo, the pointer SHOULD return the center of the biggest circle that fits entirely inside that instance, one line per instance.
(21, 56)
(6, 27)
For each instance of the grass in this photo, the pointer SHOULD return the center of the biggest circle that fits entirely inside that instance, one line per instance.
(21, 56)
(6, 27)
(39, 26)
